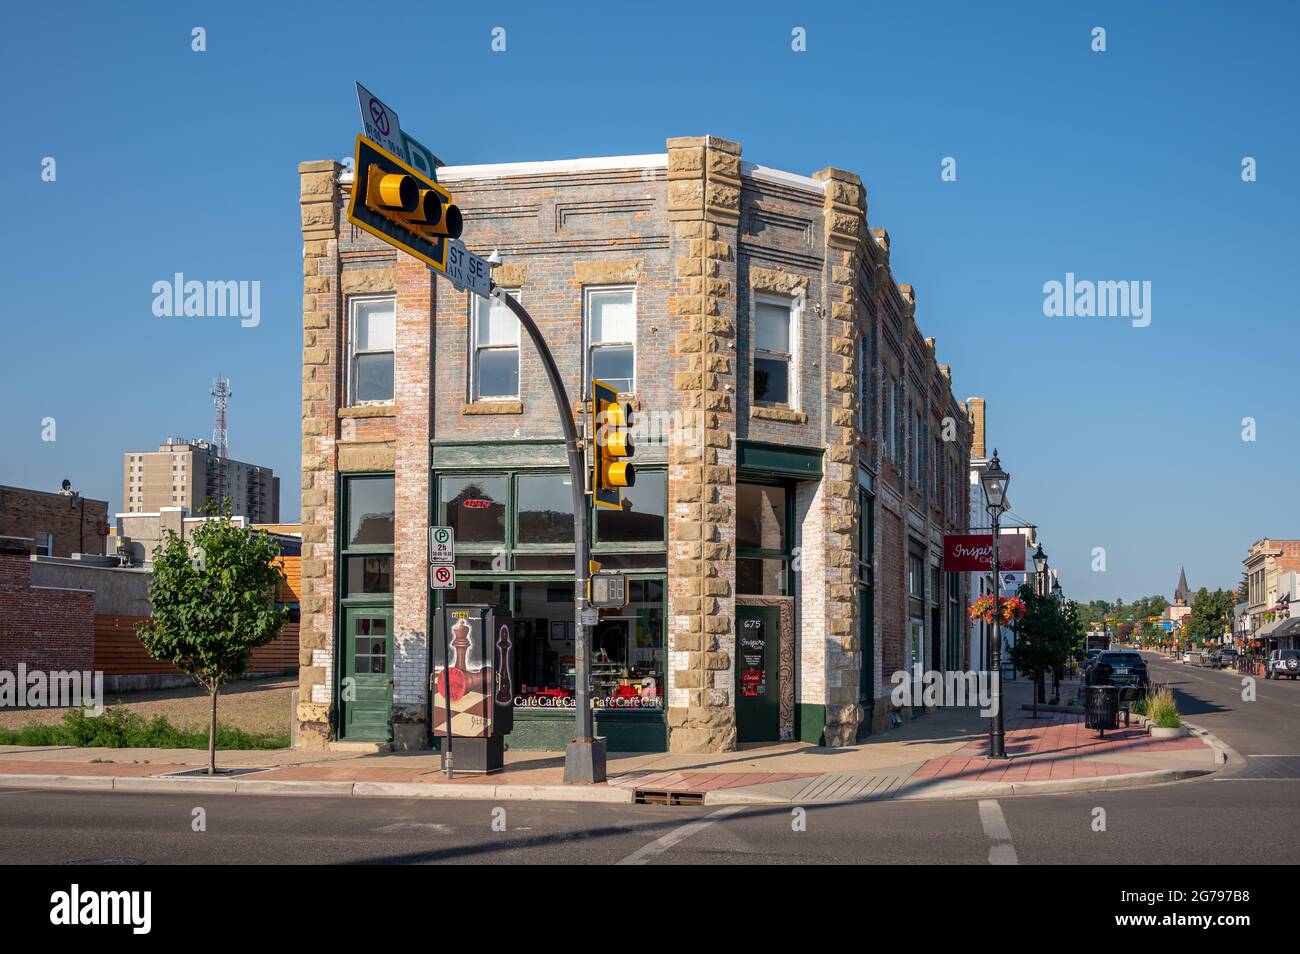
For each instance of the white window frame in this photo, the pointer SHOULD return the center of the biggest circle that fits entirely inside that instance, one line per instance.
(587, 363)
(352, 352)
(48, 549)
(796, 306)
(475, 302)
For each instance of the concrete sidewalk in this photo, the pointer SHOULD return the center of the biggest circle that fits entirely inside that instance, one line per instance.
(940, 754)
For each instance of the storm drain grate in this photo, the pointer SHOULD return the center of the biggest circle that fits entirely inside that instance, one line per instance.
(651, 796)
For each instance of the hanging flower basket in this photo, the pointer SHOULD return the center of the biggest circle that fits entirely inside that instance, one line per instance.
(1011, 609)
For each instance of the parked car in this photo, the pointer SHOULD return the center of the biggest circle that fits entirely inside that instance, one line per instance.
(1283, 664)
(1223, 659)
(1187, 657)
(1123, 668)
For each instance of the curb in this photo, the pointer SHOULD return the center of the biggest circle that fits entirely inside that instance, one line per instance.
(219, 786)
(1223, 752)
(965, 790)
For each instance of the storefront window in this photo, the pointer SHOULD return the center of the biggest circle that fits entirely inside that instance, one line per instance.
(627, 649)
(549, 563)
(368, 574)
(475, 508)
(632, 561)
(370, 511)
(758, 577)
(642, 519)
(545, 509)
(760, 517)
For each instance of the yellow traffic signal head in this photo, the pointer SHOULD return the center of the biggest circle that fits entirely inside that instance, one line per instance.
(399, 205)
(612, 469)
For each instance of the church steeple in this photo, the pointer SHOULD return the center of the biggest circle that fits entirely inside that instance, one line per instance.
(1183, 592)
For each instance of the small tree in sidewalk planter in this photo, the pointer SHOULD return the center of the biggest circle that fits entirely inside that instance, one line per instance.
(1046, 636)
(213, 604)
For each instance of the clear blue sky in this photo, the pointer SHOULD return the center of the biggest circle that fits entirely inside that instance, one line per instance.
(1123, 165)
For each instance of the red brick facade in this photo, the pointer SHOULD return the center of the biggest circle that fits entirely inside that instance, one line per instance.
(42, 628)
(79, 525)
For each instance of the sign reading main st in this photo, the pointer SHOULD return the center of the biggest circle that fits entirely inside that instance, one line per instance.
(399, 205)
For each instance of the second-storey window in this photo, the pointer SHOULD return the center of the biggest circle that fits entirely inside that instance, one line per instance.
(370, 349)
(774, 351)
(494, 371)
(611, 336)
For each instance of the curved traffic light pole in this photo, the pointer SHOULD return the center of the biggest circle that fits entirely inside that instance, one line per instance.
(584, 759)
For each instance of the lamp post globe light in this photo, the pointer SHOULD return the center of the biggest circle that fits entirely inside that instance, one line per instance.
(994, 481)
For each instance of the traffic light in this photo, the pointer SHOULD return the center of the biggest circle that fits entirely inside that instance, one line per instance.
(612, 468)
(399, 205)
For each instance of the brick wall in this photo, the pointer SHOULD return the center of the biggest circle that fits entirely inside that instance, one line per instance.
(79, 525)
(43, 628)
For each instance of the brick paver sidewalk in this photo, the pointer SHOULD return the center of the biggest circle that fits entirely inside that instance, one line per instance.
(1054, 746)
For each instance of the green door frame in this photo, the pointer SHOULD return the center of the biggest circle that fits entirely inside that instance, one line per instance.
(370, 691)
(376, 602)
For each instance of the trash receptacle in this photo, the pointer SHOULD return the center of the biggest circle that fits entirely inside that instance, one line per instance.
(1102, 708)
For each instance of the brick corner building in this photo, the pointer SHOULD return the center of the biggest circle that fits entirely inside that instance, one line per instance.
(799, 453)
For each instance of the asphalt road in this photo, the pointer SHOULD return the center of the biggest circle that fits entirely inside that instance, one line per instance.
(1266, 731)
(1194, 822)
(1250, 813)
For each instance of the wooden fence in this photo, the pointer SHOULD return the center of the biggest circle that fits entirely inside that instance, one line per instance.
(119, 652)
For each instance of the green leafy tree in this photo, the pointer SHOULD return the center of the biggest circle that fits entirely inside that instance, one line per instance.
(1046, 636)
(1210, 613)
(213, 604)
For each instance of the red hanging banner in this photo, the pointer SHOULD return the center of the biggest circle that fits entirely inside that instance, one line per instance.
(973, 552)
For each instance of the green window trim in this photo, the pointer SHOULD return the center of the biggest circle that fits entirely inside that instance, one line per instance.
(343, 552)
(513, 548)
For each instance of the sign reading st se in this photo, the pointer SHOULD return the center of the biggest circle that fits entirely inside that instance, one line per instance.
(468, 271)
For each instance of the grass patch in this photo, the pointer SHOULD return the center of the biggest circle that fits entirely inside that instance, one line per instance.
(1162, 709)
(120, 728)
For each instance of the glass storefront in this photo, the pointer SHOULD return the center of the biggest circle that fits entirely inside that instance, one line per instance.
(514, 546)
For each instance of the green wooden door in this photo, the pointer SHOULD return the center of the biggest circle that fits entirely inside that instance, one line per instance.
(758, 669)
(366, 690)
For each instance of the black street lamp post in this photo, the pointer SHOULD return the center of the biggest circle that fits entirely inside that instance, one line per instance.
(1040, 568)
(994, 481)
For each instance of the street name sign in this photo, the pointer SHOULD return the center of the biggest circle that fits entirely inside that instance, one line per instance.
(467, 271)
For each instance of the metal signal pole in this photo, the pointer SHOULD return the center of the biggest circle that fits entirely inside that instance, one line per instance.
(584, 759)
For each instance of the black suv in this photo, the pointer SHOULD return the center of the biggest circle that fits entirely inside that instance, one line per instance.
(1123, 668)
(1223, 659)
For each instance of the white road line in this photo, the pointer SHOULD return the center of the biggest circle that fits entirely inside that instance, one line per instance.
(17, 791)
(1001, 851)
(677, 835)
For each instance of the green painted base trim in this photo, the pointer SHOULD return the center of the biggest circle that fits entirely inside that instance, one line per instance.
(810, 722)
(538, 732)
